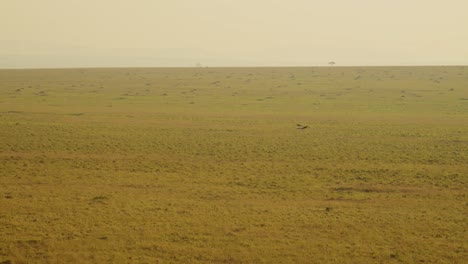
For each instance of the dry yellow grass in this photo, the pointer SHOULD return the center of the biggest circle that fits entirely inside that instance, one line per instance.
(205, 165)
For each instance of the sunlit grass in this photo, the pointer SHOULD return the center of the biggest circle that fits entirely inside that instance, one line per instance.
(207, 165)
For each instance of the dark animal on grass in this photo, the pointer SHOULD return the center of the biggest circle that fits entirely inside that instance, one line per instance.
(299, 126)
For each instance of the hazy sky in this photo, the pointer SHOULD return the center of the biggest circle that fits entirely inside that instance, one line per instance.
(97, 33)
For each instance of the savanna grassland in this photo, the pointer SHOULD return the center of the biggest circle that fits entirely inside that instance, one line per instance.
(206, 165)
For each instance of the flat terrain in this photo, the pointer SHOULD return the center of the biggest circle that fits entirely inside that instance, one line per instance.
(206, 165)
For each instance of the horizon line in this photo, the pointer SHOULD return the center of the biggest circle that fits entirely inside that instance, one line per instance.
(203, 67)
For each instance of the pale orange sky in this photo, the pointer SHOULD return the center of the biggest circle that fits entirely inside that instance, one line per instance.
(119, 33)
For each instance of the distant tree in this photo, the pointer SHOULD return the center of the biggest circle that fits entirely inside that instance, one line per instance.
(331, 63)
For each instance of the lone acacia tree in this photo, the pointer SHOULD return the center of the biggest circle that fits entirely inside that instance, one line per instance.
(331, 63)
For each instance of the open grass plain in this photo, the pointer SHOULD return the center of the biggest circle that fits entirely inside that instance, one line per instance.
(206, 165)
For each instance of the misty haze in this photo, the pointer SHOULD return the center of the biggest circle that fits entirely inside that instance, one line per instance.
(218, 131)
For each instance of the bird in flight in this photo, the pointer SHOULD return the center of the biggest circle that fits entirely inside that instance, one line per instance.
(299, 126)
